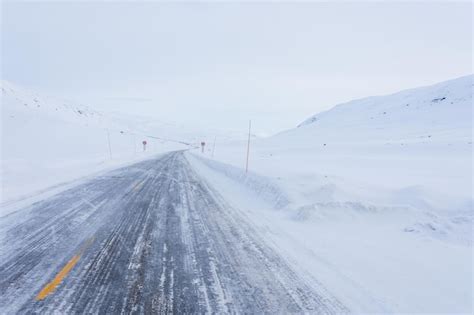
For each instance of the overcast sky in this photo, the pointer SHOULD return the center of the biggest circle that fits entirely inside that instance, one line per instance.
(220, 64)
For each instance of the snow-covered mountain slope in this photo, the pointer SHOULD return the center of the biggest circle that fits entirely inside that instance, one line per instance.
(378, 197)
(46, 141)
(413, 140)
(439, 109)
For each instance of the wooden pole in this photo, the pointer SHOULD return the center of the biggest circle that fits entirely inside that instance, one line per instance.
(248, 148)
(108, 140)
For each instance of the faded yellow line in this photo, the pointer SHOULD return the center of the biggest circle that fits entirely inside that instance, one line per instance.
(140, 184)
(51, 286)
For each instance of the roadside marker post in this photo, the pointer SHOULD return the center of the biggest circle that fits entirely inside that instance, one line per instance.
(144, 145)
(108, 141)
(202, 146)
(248, 148)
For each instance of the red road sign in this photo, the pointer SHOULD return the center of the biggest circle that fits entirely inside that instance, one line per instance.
(144, 142)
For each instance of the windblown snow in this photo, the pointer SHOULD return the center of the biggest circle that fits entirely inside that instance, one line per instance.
(373, 198)
(378, 197)
(47, 141)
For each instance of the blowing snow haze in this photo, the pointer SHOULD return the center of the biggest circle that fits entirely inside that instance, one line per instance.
(227, 63)
(131, 184)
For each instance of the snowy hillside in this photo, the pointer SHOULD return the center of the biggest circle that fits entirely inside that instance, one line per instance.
(46, 141)
(418, 113)
(416, 138)
(378, 197)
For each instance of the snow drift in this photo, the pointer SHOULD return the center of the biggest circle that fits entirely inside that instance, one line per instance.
(379, 197)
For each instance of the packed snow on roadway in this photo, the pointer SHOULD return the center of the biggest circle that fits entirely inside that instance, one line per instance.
(373, 198)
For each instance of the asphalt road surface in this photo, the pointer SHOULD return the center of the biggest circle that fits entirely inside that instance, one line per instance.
(149, 238)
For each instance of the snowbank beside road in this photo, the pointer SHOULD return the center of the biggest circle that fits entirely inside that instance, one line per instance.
(374, 258)
(262, 187)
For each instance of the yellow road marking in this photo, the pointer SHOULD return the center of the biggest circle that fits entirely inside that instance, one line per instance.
(51, 286)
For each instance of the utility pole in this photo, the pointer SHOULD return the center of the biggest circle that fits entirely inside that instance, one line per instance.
(248, 148)
(108, 140)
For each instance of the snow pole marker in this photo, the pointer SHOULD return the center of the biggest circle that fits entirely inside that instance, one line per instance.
(248, 149)
(108, 141)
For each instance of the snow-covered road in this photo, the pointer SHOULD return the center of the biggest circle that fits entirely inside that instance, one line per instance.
(153, 237)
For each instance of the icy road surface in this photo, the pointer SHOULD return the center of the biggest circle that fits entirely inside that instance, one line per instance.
(148, 238)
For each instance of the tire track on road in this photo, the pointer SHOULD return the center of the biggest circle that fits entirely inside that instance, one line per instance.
(164, 242)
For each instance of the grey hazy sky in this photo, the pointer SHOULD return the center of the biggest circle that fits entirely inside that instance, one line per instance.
(219, 64)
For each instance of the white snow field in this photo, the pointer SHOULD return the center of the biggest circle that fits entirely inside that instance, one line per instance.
(46, 141)
(373, 198)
